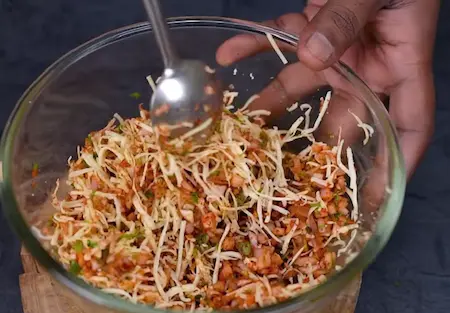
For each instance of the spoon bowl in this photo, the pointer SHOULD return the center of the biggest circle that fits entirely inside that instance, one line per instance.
(186, 96)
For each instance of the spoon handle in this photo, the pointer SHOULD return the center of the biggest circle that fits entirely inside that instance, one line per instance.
(161, 31)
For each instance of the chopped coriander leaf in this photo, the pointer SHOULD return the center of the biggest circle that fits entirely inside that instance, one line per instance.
(194, 197)
(245, 248)
(240, 198)
(50, 222)
(336, 199)
(89, 139)
(35, 170)
(315, 205)
(202, 239)
(78, 246)
(131, 236)
(35, 167)
(264, 138)
(135, 95)
(215, 173)
(92, 244)
(74, 267)
(149, 194)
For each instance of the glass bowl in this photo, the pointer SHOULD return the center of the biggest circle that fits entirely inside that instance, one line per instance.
(81, 91)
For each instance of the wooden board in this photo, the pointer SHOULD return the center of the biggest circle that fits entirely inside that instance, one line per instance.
(41, 295)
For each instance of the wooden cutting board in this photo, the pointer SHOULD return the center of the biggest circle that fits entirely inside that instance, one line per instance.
(41, 295)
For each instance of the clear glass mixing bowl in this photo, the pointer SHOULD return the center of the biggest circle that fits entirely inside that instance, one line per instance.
(82, 90)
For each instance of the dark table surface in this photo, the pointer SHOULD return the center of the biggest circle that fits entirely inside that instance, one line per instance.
(412, 275)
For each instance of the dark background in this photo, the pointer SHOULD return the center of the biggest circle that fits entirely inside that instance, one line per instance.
(412, 275)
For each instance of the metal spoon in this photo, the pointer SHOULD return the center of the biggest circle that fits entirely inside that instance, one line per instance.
(188, 90)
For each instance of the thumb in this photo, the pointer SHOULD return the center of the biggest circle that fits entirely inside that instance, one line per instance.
(335, 27)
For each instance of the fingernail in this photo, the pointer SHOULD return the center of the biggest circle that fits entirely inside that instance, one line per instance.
(320, 47)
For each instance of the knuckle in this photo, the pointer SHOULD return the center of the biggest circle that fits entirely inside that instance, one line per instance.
(345, 21)
(282, 22)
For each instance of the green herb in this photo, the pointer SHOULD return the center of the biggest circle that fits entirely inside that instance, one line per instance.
(194, 197)
(315, 205)
(336, 199)
(245, 248)
(50, 222)
(264, 138)
(92, 244)
(201, 239)
(308, 230)
(131, 236)
(215, 173)
(78, 246)
(135, 95)
(241, 198)
(74, 268)
(336, 215)
(149, 194)
(93, 193)
(89, 139)
(35, 167)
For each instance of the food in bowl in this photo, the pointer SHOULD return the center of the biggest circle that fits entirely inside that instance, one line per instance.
(233, 222)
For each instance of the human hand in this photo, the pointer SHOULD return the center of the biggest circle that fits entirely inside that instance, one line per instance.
(388, 43)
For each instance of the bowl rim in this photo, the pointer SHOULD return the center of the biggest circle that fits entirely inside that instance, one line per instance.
(391, 206)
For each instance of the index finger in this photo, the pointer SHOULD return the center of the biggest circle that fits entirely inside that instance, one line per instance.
(246, 45)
